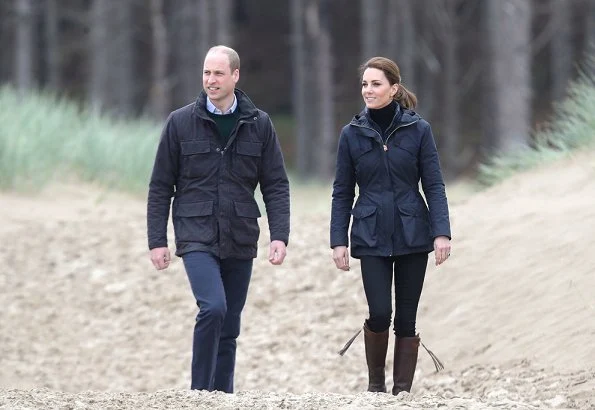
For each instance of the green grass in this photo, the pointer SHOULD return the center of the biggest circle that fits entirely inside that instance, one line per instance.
(44, 138)
(572, 128)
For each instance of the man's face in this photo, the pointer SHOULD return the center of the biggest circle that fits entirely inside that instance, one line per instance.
(217, 79)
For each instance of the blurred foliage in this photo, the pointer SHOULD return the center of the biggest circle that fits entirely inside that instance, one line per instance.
(572, 128)
(45, 138)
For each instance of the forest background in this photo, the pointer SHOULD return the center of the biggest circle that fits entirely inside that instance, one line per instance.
(488, 74)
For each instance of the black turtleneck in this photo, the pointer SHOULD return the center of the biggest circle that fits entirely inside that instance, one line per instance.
(383, 116)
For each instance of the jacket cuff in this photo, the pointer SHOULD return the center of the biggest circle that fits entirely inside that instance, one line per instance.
(283, 238)
(338, 239)
(157, 244)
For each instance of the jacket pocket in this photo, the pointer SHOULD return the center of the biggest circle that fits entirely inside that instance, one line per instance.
(246, 161)
(244, 226)
(363, 228)
(416, 225)
(195, 158)
(362, 148)
(195, 222)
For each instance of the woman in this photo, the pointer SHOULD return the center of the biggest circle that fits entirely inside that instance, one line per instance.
(386, 150)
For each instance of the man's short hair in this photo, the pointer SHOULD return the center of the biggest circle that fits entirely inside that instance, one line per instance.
(232, 55)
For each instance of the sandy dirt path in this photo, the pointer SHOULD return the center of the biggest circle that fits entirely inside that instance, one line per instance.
(87, 323)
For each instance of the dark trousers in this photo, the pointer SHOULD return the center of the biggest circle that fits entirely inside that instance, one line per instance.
(220, 287)
(377, 274)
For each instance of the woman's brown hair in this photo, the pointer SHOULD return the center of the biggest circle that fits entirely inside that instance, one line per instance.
(391, 70)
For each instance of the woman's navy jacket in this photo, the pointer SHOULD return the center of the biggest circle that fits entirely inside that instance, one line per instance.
(390, 216)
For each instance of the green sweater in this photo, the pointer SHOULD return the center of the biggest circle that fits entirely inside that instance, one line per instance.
(225, 124)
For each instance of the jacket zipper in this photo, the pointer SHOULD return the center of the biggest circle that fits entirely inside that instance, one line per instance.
(385, 142)
(385, 146)
(234, 134)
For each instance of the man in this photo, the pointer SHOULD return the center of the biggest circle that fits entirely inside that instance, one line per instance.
(211, 156)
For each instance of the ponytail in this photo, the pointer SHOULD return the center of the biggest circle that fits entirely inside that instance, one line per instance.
(405, 98)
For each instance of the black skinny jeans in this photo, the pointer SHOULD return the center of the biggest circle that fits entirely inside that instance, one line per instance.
(377, 274)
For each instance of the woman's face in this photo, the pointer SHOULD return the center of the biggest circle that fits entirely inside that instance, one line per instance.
(376, 90)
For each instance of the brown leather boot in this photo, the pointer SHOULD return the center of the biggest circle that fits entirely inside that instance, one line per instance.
(405, 362)
(376, 347)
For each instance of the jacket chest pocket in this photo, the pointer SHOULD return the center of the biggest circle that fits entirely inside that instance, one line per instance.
(362, 148)
(404, 148)
(246, 159)
(403, 157)
(195, 158)
(366, 159)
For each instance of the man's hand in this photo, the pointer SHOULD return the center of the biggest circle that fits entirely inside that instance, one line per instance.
(160, 258)
(341, 257)
(277, 252)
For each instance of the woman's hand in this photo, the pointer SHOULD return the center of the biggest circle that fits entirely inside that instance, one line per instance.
(441, 249)
(341, 257)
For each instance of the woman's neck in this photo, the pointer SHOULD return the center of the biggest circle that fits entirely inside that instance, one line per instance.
(383, 116)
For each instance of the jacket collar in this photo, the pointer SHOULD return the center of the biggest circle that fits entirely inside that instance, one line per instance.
(245, 105)
(402, 116)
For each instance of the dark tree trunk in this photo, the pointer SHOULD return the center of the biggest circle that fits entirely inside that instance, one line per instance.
(509, 59)
(24, 46)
